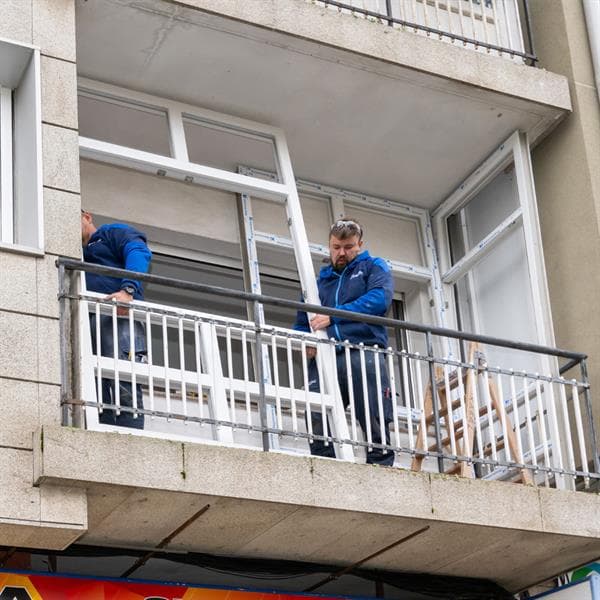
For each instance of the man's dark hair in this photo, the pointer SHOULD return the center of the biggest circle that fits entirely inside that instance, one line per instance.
(346, 228)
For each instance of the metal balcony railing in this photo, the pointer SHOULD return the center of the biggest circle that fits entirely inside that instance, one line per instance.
(214, 379)
(491, 26)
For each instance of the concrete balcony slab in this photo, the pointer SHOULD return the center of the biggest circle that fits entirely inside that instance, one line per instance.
(140, 489)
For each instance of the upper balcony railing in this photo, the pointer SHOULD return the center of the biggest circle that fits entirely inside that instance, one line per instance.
(492, 26)
(215, 379)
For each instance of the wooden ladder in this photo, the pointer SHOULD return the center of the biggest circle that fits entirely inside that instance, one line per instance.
(466, 385)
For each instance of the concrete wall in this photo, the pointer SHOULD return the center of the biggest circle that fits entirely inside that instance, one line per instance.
(567, 177)
(29, 326)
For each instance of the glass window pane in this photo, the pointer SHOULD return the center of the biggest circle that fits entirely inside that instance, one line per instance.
(126, 124)
(483, 213)
(218, 146)
(496, 299)
(389, 236)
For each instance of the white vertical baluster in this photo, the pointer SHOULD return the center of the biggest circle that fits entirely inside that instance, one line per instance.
(134, 401)
(182, 368)
(150, 359)
(198, 355)
(437, 14)
(116, 359)
(503, 417)
(450, 415)
(478, 434)
(382, 427)
(392, 376)
(484, 22)
(556, 440)
(580, 436)
(276, 379)
(461, 18)
(290, 366)
(230, 373)
(490, 416)
(165, 337)
(496, 25)
(98, 355)
(530, 434)
(246, 378)
(472, 10)
(517, 418)
(322, 397)
(542, 426)
(409, 408)
(365, 388)
(566, 424)
(306, 391)
(467, 442)
(507, 25)
(421, 402)
(413, 9)
(350, 383)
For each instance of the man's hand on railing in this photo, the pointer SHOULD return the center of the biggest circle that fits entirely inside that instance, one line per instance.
(319, 322)
(121, 296)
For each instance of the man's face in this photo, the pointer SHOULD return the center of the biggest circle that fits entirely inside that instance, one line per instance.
(87, 227)
(344, 251)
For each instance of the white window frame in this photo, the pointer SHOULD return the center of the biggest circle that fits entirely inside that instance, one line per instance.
(514, 150)
(6, 166)
(338, 198)
(21, 197)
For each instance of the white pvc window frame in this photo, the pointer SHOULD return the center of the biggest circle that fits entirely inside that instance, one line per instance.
(6, 166)
(21, 198)
(427, 275)
(514, 150)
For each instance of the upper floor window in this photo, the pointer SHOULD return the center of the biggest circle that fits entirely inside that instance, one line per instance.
(20, 148)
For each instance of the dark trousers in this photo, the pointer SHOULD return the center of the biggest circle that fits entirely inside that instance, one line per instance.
(110, 416)
(375, 455)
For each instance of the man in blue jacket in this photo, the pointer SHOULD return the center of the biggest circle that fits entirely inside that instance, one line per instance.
(357, 282)
(121, 246)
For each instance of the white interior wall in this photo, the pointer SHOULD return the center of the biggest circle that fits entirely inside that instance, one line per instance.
(136, 197)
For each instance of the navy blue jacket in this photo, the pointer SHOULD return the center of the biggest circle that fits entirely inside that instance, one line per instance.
(121, 246)
(364, 286)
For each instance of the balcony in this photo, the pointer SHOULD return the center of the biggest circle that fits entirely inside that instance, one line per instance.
(490, 26)
(226, 405)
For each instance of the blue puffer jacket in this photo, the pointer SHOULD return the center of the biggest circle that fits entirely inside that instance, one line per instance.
(364, 286)
(121, 246)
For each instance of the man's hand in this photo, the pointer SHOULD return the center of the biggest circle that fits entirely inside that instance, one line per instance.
(121, 296)
(320, 322)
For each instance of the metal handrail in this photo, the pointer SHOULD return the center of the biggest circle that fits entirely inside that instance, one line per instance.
(76, 265)
(391, 21)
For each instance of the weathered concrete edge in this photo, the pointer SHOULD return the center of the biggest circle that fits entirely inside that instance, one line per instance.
(78, 458)
(307, 21)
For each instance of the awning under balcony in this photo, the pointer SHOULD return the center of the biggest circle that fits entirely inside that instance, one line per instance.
(273, 505)
(364, 106)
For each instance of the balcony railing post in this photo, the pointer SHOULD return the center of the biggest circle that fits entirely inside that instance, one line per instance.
(260, 377)
(434, 403)
(588, 406)
(529, 30)
(63, 319)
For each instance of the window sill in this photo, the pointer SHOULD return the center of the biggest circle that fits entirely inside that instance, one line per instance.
(17, 249)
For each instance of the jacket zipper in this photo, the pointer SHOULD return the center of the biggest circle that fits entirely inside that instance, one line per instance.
(337, 298)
